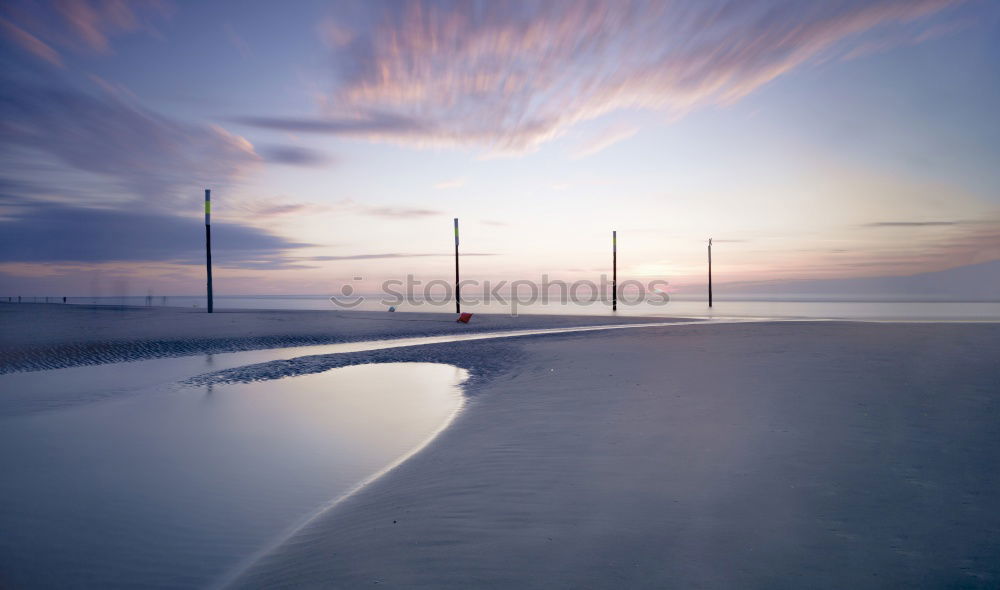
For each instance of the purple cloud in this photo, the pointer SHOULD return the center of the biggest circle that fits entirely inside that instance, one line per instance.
(362, 124)
(59, 233)
(294, 156)
(110, 138)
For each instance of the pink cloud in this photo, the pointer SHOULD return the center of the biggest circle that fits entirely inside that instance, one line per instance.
(510, 76)
(604, 139)
(76, 24)
(30, 43)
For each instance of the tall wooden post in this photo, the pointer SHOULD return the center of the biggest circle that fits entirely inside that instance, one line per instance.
(458, 294)
(208, 245)
(710, 272)
(614, 270)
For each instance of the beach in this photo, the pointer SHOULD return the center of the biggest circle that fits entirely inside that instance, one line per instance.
(716, 455)
(771, 455)
(500, 295)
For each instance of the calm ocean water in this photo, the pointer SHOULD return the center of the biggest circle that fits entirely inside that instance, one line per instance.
(817, 309)
(174, 486)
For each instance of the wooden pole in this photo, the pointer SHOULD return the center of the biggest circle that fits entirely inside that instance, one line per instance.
(458, 294)
(710, 272)
(208, 245)
(614, 270)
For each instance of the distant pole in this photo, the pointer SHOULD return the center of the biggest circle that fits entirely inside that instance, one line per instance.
(458, 293)
(710, 272)
(208, 244)
(614, 270)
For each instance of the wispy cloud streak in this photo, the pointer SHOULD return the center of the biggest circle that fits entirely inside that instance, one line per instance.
(30, 43)
(603, 140)
(294, 156)
(59, 233)
(913, 223)
(351, 206)
(388, 256)
(512, 75)
(113, 137)
(450, 184)
(76, 25)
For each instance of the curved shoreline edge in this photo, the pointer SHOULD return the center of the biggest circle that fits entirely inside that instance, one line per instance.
(735, 455)
(234, 573)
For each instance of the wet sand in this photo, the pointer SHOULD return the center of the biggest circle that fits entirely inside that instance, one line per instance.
(783, 455)
(51, 336)
(771, 454)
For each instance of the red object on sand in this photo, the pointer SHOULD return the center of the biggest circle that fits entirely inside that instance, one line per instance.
(464, 318)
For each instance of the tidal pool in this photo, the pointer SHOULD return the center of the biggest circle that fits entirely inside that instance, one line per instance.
(177, 487)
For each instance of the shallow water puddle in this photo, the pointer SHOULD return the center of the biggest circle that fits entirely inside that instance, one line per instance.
(178, 487)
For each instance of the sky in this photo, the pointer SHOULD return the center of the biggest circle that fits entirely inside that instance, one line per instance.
(810, 140)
